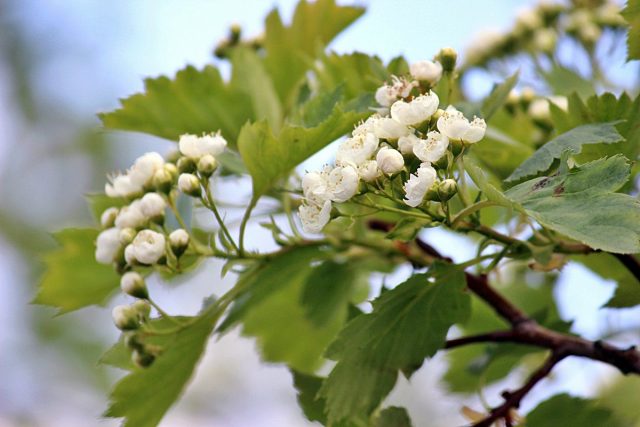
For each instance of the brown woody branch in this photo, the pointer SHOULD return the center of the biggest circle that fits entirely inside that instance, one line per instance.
(527, 331)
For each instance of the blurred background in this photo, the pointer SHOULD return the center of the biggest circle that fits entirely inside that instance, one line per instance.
(61, 62)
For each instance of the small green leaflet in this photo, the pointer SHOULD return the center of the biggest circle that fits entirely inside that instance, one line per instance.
(542, 160)
(269, 157)
(408, 324)
(631, 14)
(498, 96)
(582, 205)
(146, 394)
(568, 411)
(73, 279)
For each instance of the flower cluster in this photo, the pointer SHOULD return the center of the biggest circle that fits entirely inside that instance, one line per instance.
(409, 126)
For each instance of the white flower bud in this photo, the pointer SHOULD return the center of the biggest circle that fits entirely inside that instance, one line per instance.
(162, 180)
(389, 93)
(419, 110)
(447, 189)
(178, 240)
(390, 161)
(433, 148)
(144, 168)
(390, 129)
(426, 71)
(153, 205)
(121, 186)
(130, 254)
(418, 184)
(343, 183)
(127, 235)
(108, 246)
(369, 171)
(356, 150)
(315, 187)
(539, 109)
(125, 317)
(406, 143)
(385, 96)
(108, 217)
(189, 184)
(544, 39)
(131, 216)
(142, 308)
(207, 165)
(454, 125)
(313, 217)
(448, 58)
(148, 247)
(132, 283)
(195, 147)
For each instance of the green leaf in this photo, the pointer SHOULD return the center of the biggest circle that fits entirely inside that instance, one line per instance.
(631, 14)
(608, 267)
(568, 411)
(308, 387)
(100, 202)
(194, 101)
(490, 189)
(145, 395)
(563, 81)
(408, 324)
(250, 77)
(73, 279)
(269, 157)
(393, 416)
(498, 152)
(498, 96)
(581, 205)
(573, 141)
(291, 48)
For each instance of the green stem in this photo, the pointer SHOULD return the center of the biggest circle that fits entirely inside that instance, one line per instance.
(245, 220)
(164, 313)
(470, 210)
(396, 210)
(476, 260)
(210, 203)
(195, 244)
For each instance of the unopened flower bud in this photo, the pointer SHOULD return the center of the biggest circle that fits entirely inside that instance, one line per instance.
(439, 112)
(125, 317)
(132, 283)
(186, 165)
(126, 236)
(390, 161)
(448, 57)
(143, 308)
(171, 168)
(207, 165)
(162, 180)
(152, 206)
(108, 217)
(132, 341)
(447, 189)
(189, 184)
(178, 240)
(142, 359)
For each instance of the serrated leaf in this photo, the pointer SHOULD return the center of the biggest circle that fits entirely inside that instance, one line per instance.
(631, 14)
(498, 96)
(573, 141)
(146, 394)
(269, 157)
(194, 101)
(581, 205)
(408, 324)
(568, 411)
(72, 278)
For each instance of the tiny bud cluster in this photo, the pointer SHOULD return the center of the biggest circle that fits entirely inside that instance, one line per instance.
(409, 125)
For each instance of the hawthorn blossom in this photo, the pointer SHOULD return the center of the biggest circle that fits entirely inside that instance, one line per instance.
(122, 186)
(431, 149)
(314, 217)
(418, 184)
(390, 161)
(390, 129)
(343, 183)
(389, 93)
(426, 71)
(419, 110)
(454, 125)
(131, 216)
(152, 205)
(148, 247)
(357, 149)
(407, 142)
(369, 170)
(195, 147)
(144, 168)
(108, 245)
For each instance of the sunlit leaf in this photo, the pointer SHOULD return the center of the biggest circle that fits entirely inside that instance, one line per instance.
(568, 411)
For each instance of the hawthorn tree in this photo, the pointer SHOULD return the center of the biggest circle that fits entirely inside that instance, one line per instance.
(533, 178)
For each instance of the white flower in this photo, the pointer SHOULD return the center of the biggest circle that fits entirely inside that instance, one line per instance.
(407, 142)
(419, 110)
(433, 148)
(356, 150)
(315, 187)
(390, 161)
(108, 245)
(389, 93)
(121, 186)
(388, 128)
(189, 184)
(369, 171)
(132, 283)
(108, 217)
(130, 254)
(152, 205)
(366, 126)
(385, 96)
(545, 39)
(179, 238)
(427, 71)
(418, 184)
(539, 109)
(343, 183)
(144, 168)
(559, 101)
(528, 19)
(197, 146)
(148, 247)
(131, 216)
(314, 218)
(454, 125)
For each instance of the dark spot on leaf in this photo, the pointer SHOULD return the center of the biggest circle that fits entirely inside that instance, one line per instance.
(558, 190)
(541, 184)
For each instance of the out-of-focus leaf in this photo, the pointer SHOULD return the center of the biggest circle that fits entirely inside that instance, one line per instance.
(608, 267)
(498, 96)
(568, 411)
(146, 394)
(621, 397)
(631, 14)
(393, 416)
(581, 205)
(100, 202)
(498, 153)
(408, 324)
(73, 279)
(564, 81)
(573, 141)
